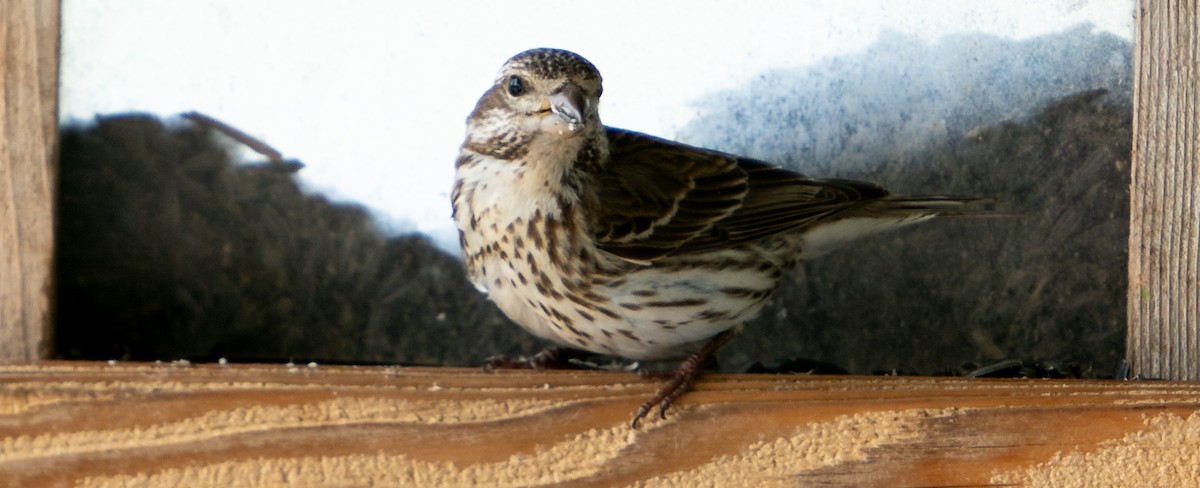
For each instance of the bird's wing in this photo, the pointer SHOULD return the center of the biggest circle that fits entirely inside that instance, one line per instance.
(654, 195)
(657, 197)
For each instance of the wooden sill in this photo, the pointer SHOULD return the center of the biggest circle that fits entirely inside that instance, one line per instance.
(119, 424)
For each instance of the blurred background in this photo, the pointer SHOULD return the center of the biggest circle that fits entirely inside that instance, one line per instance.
(175, 242)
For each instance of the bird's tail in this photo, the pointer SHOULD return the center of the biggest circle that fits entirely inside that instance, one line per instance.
(933, 206)
(886, 213)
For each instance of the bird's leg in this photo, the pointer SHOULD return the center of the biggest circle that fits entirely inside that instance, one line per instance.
(554, 357)
(687, 373)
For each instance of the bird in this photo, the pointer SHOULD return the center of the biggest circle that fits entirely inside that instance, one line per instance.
(620, 243)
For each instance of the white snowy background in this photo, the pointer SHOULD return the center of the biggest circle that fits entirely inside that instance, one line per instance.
(372, 95)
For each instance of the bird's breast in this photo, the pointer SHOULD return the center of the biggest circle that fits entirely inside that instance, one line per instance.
(509, 213)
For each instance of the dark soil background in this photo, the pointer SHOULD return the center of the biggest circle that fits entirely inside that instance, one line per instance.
(168, 248)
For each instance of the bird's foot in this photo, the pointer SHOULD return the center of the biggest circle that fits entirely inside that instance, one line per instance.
(682, 379)
(549, 358)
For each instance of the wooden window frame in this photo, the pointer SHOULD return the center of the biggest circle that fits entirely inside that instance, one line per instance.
(942, 430)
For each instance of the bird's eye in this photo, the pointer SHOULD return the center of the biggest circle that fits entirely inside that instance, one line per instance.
(516, 86)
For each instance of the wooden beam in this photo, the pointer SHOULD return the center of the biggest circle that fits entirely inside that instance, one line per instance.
(28, 131)
(1164, 230)
(122, 424)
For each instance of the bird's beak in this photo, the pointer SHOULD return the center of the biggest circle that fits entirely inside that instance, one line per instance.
(568, 103)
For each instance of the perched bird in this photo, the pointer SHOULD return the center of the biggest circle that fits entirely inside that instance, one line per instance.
(620, 243)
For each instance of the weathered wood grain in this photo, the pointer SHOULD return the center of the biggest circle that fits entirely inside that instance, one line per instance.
(28, 130)
(1164, 231)
(97, 424)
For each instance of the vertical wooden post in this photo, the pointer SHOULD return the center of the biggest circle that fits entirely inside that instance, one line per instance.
(1164, 231)
(28, 131)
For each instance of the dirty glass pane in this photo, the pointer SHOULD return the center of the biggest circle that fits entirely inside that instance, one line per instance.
(174, 246)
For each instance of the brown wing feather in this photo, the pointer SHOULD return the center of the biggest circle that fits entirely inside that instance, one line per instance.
(781, 201)
(658, 197)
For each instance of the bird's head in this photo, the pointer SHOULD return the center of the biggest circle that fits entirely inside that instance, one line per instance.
(542, 97)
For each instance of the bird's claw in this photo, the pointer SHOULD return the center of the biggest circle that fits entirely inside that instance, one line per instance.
(548, 358)
(682, 379)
